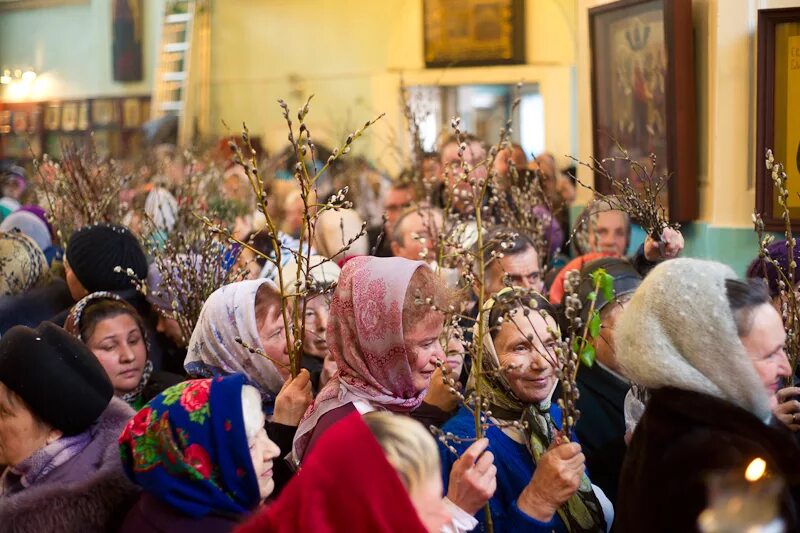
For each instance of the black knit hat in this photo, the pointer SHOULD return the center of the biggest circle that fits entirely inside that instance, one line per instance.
(626, 280)
(94, 251)
(56, 375)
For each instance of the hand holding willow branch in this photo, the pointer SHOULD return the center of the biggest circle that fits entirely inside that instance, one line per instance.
(638, 197)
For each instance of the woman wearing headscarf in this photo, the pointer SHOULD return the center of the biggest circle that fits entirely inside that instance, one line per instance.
(376, 474)
(59, 424)
(115, 333)
(32, 221)
(23, 266)
(384, 336)
(250, 311)
(710, 350)
(201, 455)
(385, 345)
(541, 482)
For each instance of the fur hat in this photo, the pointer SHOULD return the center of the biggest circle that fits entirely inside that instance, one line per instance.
(56, 375)
(679, 331)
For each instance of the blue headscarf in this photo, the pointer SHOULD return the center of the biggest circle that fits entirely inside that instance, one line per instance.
(188, 448)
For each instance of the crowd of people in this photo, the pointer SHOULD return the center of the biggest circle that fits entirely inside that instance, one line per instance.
(147, 386)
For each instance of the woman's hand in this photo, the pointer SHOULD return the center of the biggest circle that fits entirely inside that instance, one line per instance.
(788, 408)
(669, 247)
(293, 399)
(439, 393)
(473, 478)
(556, 479)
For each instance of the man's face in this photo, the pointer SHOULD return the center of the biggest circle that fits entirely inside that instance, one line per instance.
(522, 270)
(610, 233)
(419, 236)
(397, 200)
(605, 346)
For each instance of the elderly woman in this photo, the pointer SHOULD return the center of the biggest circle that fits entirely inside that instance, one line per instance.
(116, 335)
(541, 482)
(201, 455)
(384, 343)
(251, 312)
(710, 350)
(59, 424)
(384, 336)
(788, 408)
(376, 473)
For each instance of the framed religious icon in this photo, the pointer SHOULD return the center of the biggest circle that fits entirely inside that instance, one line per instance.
(83, 116)
(5, 121)
(52, 117)
(103, 112)
(131, 117)
(474, 32)
(778, 111)
(19, 121)
(69, 116)
(643, 95)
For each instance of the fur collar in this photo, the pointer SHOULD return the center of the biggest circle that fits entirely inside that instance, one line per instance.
(73, 499)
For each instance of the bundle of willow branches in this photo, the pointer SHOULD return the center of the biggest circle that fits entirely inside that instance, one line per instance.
(306, 175)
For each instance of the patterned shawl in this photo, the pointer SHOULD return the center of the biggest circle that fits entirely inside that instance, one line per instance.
(365, 338)
(188, 448)
(230, 312)
(580, 513)
(23, 265)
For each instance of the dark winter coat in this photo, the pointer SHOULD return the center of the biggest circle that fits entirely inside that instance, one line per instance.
(88, 493)
(682, 437)
(601, 427)
(35, 306)
(150, 515)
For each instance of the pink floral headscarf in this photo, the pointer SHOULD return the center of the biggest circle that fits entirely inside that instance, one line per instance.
(365, 337)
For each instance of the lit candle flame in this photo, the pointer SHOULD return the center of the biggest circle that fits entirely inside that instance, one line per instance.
(756, 469)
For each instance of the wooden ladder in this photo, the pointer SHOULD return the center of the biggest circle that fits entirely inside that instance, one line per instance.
(184, 49)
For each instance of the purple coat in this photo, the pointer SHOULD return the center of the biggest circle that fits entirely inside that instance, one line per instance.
(150, 515)
(90, 492)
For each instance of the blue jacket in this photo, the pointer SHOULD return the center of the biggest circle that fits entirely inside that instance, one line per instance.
(515, 468)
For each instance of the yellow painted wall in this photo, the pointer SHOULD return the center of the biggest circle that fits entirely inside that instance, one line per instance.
(725, 74)
(352, 53)
(71, 47)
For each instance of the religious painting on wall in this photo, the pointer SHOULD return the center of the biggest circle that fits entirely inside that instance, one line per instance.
(83, 115)
(52, 117)
(474, 32)
(127, 22)
(131, 109)
(69, 116)
(104, 112)
(643, 95)
(12, 5)
(778, 112)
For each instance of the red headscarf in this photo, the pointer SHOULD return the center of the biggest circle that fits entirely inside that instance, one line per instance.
(556, 292)
(346, 484)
